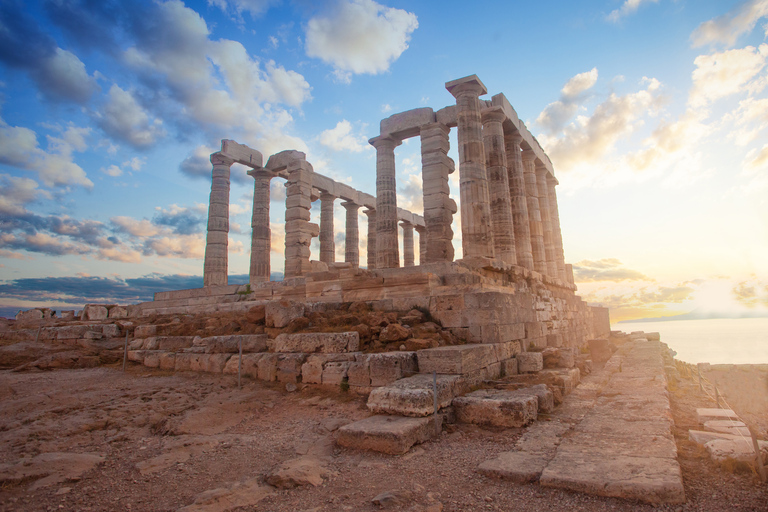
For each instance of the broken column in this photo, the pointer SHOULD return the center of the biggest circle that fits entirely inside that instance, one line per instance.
(261, 234)
(371, 248)
(215, 265)
(422, 231)
(516, 175)
(407, 244)
(387, 250)
(498, 185)
(438, 206)
(556, 232)
(298, 230)
(476, 234)
(327, 244)
(534, 215)
(352, 240)
(546, 225)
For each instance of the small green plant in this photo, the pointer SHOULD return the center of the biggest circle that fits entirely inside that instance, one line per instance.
(246, 291)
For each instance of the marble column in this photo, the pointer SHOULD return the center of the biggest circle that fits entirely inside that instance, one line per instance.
(556, 232)
(298, 230)
(439, 208)
(352, 240)
(387, 250)
(371, 260)
(517, 197)
(327, 244)
(215, 265)
(534, 215)
(476, 234)
(407, 244)
(261, 234)
(422, 231)
(546, 224)
(498, 185)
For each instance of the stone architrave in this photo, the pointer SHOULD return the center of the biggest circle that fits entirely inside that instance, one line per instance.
(387, 250)
(215, 266)
(498, 185)
(534, 215)
(352, 240)
(261, 234)
(422, 231)
(407, 244)
(476, 232)
(438, 205)
(556, 232)
(327, 244)
(371, 258)
(518, 199)
(298, 230)
(546, 224)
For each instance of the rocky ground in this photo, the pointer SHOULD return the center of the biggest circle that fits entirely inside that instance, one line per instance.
(100, 439)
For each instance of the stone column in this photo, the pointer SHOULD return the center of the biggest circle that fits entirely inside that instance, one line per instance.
(438, 205)
(327, 244)
(298, 230)
(517, 197)
(387, 250)
(498, 185)
(371, 214)
(422, 231)
(476, 234)
(546, 225)
(261, 234)
(352, 240)
(569, 273)
(556, 232)
(534, 215)
(215, 265)
(407, 244)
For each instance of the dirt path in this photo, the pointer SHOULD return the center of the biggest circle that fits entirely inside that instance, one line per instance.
(152, 441)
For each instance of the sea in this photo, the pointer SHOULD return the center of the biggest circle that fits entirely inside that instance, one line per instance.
(715, 341)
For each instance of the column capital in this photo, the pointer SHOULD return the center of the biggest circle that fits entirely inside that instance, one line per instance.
(350, 205)
(220, 159)
(529, 155)
(492, 115)
(419, 229)
(369, 211)
(384, 142)
(405, 224)
(467, 85)
(325, 196)
(514, 137)
(260, 172)
(552, 181)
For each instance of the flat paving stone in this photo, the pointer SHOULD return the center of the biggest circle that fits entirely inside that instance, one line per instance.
(703, 415)
(387, 434)
(521, 467)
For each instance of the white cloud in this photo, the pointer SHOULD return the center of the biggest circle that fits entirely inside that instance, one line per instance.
(341, 138)
(411, 194)
(751, 117)
(123, 118)
(254, 7)
(554, 117)
(63, 76)
(727, 28)
(16, 192)
(627, 8)
(722, 74)
(113, 171)
(757, 160)
(139, 228)
(386, 108)
(359, 36)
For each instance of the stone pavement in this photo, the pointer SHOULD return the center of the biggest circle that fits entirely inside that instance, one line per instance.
(610, 437)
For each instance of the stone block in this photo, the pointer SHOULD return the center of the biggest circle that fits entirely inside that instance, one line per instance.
(312, 370)
(279, 313)
(498, 408)
(518, 466)
(528, 362)
(456, 359)
(705, 414)
(394, 435)
(509, 367)
(413, 396)
(334, 373)
(173, 343)
(110, 330)
(359, 374)
(318, 342)
(167, 361)
(544, 396)
(137, 356)
(249, 365)
(289, 367)
(118, 312)
(506, 350)
(152, 359)
(230, 344)
(145, 331)
(535, 329)
(95, 312)
(727, 427)
(387, 367)
(554, 340)
(267, 367)
(71, 332)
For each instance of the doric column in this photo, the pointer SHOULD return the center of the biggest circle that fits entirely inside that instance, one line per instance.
(517, 197)
(261, 234)
(569, 273)
(498, 185)
(371, 214)
(215, 265)
(387, 250)
(556, 232)
(534, 215)
(476, 234)
(407, 244)
(352, 240)
(298, 230)
(438, 205)
(422, 231)
(546, 224)
(327, 244)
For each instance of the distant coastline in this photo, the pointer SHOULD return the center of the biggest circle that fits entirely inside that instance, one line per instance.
(697, 315)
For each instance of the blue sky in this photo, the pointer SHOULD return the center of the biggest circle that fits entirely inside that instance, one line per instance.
(654, 113)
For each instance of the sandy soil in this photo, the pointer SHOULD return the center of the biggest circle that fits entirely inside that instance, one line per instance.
(146, 440)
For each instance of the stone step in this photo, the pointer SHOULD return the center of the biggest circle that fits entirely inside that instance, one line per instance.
(497, 407)
(705, 414)
(413, 396)
(325, 342)
(465, 359)
(388, 434)
(727, 427)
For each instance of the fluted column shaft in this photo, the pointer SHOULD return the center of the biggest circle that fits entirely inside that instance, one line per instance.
(498, 185)
(352, 240)
(476, 233)
(371, 248)
(261, 234)
(387, 250)
(517, 197)
(546, 224)
(556, 232)
(327, 244)
(422, 231)
(215, 265)
(298, 230)
(534, 215)
(439, 208)
(407, 244)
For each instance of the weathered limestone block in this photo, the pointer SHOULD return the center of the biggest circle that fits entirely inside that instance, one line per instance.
(118, 312)
(497, 333)
(145, 331)
(506, 350)
(249, 365)
(499, 408)
(708, 414)
(110, 330)
(545, 397)
(279, 313)
(334, 373)
(72, 332)
(558, 358)
(318, 342)
(566, 379)
(68, 315)
(528, 362)
(727, 427)
(413, 396)
(231, 343)
(32, 315)
(387, 434)
(167, 361)
(359, 374)
(312, 370)
(555, 340)
(137, 356)
(267, 367)
(172, 343)
(387, 367)
(289, 367)
(152, 359)
(456, 359)
(95, 312)
(509, 367)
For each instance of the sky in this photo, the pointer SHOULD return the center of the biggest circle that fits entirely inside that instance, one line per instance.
(654, 114)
